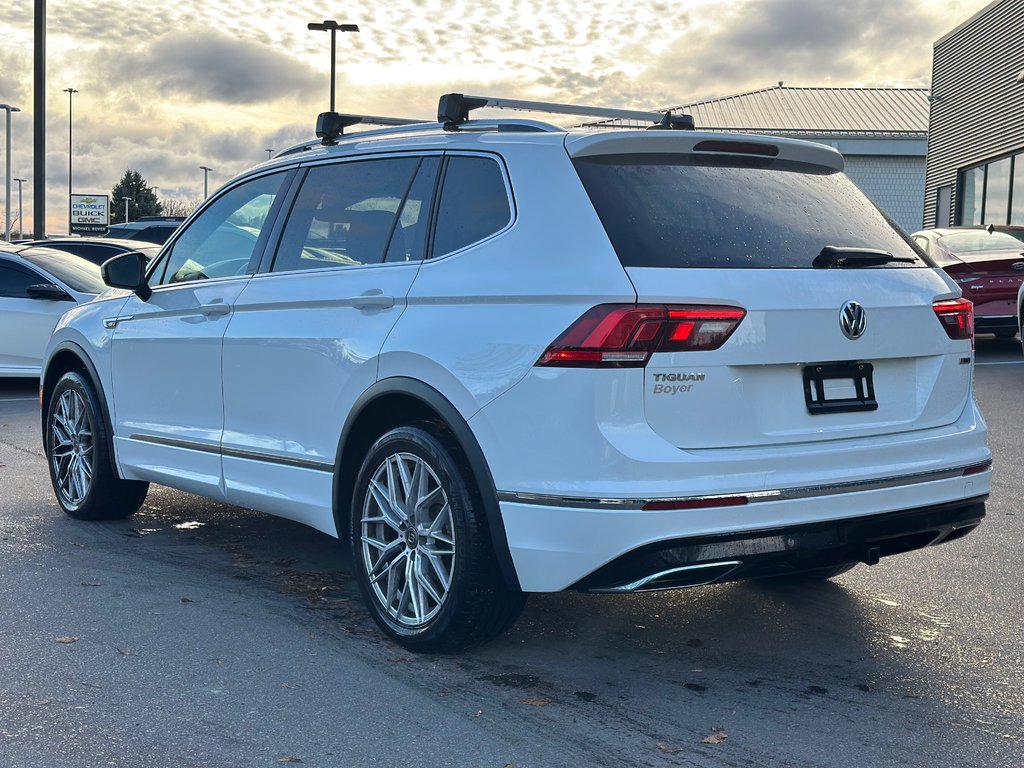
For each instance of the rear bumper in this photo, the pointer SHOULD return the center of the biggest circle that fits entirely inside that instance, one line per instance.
(779, 551)
(556, 547)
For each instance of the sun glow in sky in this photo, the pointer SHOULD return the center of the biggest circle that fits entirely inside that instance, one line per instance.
(167, 87)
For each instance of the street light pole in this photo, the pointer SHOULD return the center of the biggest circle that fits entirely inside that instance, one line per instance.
(270, 153)
(126, 199)
(7, 171)
(206, 181)
(329, 25)
(70, 92)
(21, 215)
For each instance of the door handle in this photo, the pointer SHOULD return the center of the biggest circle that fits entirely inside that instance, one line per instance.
(215, 310)
(373, 299)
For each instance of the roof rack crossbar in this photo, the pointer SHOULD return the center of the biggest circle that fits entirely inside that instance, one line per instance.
(454, 108)
(331, 125)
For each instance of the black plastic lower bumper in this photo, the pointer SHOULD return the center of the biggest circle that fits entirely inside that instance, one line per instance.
(786, 550)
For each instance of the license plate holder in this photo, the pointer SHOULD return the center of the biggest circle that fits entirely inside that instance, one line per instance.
(839, 388)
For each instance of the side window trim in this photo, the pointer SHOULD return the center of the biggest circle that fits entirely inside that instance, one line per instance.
(439, 190)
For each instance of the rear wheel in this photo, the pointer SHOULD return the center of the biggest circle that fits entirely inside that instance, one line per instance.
(1005, 335)
(78, 453)
(421, 546)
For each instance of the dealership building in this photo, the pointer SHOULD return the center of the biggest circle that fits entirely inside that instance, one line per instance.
(975, 169)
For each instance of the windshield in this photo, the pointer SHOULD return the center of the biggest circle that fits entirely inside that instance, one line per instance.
(74, 271)
(687, 211)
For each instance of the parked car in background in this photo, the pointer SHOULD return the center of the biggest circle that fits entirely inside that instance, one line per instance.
(151, 229)
(37, 286)
(94, 249)
(988, 265)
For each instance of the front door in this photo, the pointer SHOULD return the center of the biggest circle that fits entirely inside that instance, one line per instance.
(166, 351)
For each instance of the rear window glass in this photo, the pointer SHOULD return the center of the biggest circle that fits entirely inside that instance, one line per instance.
(74, 271)
(979, 241)
(707, 212)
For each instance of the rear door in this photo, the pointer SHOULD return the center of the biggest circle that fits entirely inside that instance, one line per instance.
(826, 348)
(303, 342)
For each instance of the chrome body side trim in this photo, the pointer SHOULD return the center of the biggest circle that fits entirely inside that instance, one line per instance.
(234, 453)
(752, 497)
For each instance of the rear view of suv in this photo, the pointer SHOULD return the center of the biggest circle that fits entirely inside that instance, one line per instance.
(501, 358)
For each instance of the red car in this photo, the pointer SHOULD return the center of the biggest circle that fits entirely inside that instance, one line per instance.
(988, 264)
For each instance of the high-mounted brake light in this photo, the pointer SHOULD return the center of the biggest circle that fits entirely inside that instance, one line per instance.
(957, 317)
(626, 335)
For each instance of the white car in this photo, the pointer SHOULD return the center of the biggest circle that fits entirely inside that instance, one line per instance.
(37, 286)
(501, 357)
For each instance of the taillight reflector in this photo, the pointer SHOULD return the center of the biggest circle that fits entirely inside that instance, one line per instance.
(977, 469)
(957, 318)
(720, 501)
(626, 335)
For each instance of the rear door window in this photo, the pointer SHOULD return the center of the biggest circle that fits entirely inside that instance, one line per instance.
(710, 212)
(345, 213)
(473, 205)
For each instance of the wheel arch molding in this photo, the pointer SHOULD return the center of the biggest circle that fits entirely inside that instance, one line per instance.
(397, 401)
(70, 356)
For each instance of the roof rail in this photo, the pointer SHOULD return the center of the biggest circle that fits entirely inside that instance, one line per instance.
(453, 109)
(331, 125)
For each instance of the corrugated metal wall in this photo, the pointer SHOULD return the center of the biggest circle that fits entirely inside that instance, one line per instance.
(978, 109)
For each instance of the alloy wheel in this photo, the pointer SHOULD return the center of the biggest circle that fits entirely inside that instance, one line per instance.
(71, 448)
(408, 540)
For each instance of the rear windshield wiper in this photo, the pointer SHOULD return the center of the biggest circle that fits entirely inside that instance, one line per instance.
(838, 257)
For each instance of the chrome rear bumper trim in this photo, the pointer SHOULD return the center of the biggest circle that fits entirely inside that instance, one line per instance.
(752, 497)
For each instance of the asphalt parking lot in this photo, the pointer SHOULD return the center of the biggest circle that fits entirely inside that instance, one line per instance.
(196, 634)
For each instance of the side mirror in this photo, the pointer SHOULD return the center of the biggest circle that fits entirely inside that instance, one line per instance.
(48, 292)
(127, 271)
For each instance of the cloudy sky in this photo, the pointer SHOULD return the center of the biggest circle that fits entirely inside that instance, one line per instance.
(167, 87)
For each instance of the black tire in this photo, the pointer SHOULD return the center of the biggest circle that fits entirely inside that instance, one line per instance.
(476, 605)
(77, 443)
(817, 574)
(1005, 335)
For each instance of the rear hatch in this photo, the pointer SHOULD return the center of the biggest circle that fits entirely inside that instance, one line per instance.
(773, 228)
(988, 266)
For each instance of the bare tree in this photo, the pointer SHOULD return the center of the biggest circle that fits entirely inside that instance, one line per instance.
(180, 207)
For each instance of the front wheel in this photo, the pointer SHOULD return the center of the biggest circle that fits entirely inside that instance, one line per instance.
(421, 546)
(78, 453)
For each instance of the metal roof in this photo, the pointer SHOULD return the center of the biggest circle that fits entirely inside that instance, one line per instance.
(817, 112)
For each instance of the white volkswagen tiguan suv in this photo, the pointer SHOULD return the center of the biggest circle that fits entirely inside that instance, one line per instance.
(502, 357)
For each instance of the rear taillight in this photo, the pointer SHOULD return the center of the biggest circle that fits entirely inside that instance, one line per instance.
(626, 335)
(957, 317)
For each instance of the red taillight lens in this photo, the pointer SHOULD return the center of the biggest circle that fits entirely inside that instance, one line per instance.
(625, 336)
(957, 317)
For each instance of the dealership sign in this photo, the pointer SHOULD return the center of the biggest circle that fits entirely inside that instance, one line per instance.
(90, 214)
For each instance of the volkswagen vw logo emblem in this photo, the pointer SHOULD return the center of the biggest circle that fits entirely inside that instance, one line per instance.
(853, 320)
(1018, 265)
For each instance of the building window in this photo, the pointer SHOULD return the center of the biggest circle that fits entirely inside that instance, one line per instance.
(993, 193)
(1017, 193)
(943, 200)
